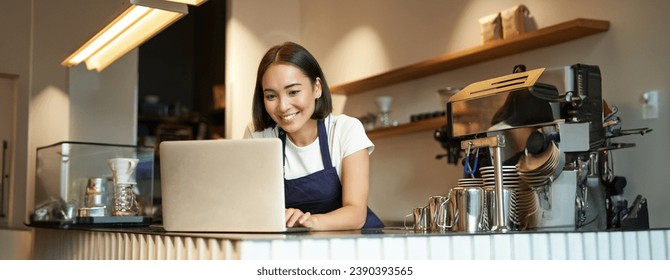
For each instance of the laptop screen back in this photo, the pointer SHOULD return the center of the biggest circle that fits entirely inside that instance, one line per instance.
(222, 185)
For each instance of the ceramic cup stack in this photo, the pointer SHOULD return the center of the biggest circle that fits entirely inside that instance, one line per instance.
(124, 198)
(471, 182)
(539, 170)
(536, 172)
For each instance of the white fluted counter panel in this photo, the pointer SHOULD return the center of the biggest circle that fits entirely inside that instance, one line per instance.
(90, 245)
(100, 245)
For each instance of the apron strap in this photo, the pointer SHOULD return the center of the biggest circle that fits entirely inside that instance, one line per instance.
(323, 144)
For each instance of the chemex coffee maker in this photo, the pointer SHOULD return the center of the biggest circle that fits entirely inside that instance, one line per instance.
(536, 149)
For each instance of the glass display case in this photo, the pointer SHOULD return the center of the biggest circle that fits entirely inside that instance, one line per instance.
(79, 183)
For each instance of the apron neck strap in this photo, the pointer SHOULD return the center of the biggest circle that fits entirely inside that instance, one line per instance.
(323, 143)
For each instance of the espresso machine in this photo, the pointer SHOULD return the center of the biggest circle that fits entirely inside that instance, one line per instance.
(539, 144)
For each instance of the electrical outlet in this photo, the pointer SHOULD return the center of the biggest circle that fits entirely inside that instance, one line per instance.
(650, 105)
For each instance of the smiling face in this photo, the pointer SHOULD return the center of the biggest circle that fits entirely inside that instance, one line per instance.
(289, 98)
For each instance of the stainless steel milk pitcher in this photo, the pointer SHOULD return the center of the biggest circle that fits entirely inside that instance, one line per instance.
(421, 222)
(438, 216)
(468, 209)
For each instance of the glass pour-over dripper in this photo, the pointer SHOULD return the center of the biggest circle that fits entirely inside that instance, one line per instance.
(124, 198)
(384, 106)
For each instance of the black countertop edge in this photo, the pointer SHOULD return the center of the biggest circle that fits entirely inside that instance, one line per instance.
(364, 233)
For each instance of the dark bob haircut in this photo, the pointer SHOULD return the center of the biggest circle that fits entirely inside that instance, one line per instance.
(296, 55)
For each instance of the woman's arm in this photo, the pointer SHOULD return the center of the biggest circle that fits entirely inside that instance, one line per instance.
(355, 188)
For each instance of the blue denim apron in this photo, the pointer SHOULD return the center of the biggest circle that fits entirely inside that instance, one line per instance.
(321, 191)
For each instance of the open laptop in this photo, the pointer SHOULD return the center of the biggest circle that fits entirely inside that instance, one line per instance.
(223, 186)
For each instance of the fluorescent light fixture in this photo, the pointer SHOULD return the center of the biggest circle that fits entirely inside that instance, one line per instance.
(137, 24)
(190, 2)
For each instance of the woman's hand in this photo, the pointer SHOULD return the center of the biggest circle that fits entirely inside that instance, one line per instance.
(295, 217)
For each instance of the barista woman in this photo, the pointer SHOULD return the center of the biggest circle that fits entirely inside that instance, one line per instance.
(326, 156)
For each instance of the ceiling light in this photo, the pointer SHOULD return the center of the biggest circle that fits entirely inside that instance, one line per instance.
(137, 24)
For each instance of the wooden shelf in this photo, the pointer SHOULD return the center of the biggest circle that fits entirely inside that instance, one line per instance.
(547, 36)
(540, 38)
(411, 127)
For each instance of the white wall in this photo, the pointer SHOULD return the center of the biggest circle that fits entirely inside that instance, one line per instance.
(103, 106)
(253, 27)
(15, 19)
(355, 39)
(36, 38)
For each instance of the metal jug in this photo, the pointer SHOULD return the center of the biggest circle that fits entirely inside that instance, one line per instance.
(438, 213)
(420, 215)
(467, 204)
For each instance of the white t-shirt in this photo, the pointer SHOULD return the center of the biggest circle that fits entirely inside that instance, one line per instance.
(346, 136)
